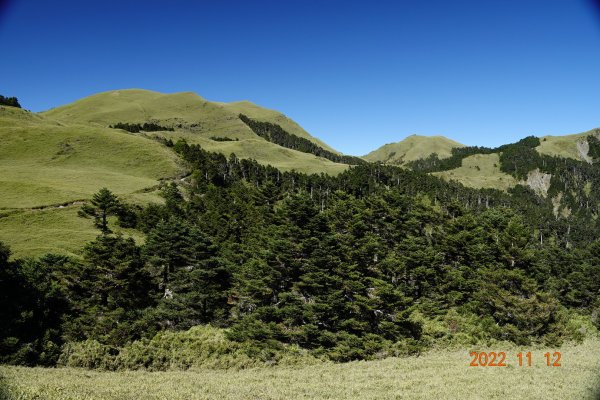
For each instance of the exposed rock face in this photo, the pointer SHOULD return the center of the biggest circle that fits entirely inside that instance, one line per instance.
(539, 182)
(583, 147)
(556, 203)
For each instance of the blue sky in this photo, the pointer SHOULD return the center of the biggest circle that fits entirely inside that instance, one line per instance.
(356, 74)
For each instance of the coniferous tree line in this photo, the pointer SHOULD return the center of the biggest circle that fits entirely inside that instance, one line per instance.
(434, 164)
(145, 127)
(9, 101)
(594, 146)
(354, 266)
(276, 134)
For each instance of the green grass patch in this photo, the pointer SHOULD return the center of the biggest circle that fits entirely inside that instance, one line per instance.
(480, 171)
(44, 163)
(413, 148)
(32, 233)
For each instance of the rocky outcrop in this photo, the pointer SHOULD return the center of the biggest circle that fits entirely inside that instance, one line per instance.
(583, 147)
(539, 182)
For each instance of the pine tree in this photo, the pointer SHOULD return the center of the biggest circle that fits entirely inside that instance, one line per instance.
(104, 204)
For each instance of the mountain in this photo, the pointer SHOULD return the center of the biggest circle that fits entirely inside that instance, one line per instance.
(194, 118)
(482, 167)
(413, 148)
(355, 261)
(54, 160)
(48, 165)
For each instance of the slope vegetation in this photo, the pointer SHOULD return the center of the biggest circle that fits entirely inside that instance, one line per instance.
(438, 374)
(46, 164)
(413, 148)
(199, 121)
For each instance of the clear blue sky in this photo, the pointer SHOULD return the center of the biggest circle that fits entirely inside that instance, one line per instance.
(356, 74)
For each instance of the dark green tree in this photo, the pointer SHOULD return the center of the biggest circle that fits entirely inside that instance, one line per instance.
(110, 292)
(103, 204)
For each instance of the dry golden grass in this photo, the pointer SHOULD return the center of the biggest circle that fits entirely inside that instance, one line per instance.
(436, 375)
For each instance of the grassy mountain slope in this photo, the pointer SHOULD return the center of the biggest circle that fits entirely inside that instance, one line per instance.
(265, 115)
(187, 109)
(264, 152)
(480, 171)
(412, 148)
(32, 233)
(197, 120)
(46, 163)
(567, 146)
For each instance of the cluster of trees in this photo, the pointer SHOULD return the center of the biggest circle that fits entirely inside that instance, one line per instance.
(434, 164)
(276, 134)
(9, 101)
(594, 146)
(145, 127)
(223, 139)
(348, 267)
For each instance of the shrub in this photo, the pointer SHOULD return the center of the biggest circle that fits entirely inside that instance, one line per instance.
(198, 347)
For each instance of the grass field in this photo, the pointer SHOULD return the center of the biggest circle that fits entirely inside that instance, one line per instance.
(203, 117)
(46, 163)
(413, 148)
(441, 374)
(33, 233)
(66, 154)
(562, 146)
(265, 153)
(480, 171)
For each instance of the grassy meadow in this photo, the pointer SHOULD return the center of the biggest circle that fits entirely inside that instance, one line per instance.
(438, 374)
(563, 146)
(65, 155)
(480, 171)
(46, 163)
(33, 233)
(413, 148)
(193, 112)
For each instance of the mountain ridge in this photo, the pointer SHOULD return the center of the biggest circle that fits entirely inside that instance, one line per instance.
(411, 148)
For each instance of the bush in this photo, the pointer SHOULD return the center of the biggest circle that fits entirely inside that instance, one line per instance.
(199, 347)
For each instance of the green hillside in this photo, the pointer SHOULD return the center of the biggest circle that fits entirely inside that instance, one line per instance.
(198, 120)
(186, 110)
(568, 146)
(46, 163)
(413, 148)
(480, 171)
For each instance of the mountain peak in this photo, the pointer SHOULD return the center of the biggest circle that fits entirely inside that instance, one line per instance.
(413, 147)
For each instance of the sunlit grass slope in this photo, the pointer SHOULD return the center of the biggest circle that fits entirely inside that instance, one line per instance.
(187, 109)
(264, 152)
(33, 233)
(198, 120)
(413, 148)
(45, 163)
(564, 146)
(263, 114)
(480, 171)
(443, 374)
